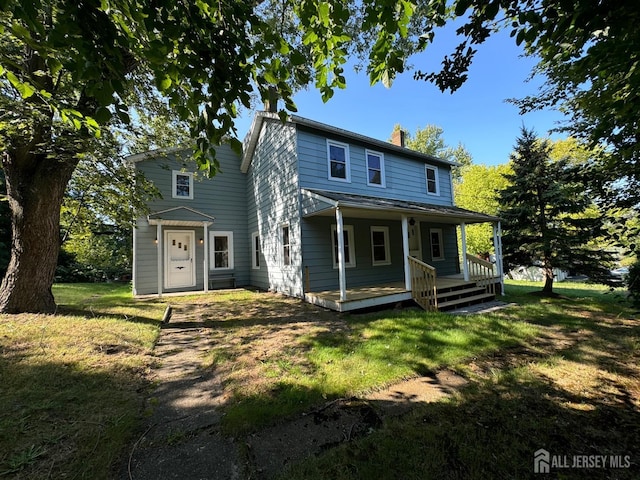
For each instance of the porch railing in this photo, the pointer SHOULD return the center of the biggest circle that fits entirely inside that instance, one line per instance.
(482, 272)
(423, 284)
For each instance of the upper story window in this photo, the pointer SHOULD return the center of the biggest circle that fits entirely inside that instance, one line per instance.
(182, 185)
(338, 161)
(432, 180)
(375, 168)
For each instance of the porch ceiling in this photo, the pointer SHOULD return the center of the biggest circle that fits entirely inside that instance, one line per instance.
(361, 206)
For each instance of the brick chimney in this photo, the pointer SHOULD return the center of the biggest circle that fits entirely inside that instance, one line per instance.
(271, 103)
(397, 138)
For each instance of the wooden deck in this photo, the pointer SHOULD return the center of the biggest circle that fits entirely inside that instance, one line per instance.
(372, 296)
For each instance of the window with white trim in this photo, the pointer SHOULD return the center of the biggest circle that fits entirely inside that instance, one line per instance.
(432, 180)
(221, 250)
(338, 161)
(349, 247)
(380, 252)
(437, 246)
(255, 246)
(182, 185)
(286, 245)
(375, 168)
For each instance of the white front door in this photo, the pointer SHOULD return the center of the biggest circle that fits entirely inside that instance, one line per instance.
(415, 242)
(179, 268)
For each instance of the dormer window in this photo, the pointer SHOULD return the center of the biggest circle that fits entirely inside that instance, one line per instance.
(338, 161)
(432, 180)
(182, 185)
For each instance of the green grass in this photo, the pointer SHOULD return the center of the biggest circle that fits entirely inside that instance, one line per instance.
(349, 356)
(73, 384)
(574, 389)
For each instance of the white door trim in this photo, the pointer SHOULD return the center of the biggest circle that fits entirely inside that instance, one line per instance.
(191, 234)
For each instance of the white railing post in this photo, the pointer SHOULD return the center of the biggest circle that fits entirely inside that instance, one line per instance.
(341, 264)
(405, 252)
(465, 266)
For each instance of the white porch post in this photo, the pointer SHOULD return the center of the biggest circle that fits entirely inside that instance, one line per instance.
(405, 252)
(160, 262)
(341, 266)
(206, 256)
(465, 266)
(497, 245)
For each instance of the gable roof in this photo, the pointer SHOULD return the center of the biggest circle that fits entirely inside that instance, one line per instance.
(251, 140)
(180, 216)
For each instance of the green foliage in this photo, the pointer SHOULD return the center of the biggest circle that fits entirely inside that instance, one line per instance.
(549, 217)
(633, 282)
(587, 56)
(430, 140)
(478, 189)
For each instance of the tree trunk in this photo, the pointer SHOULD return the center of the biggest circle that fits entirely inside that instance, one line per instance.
(36, 183)
(548, 280)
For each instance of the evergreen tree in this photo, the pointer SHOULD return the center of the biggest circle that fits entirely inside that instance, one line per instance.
(549, 218)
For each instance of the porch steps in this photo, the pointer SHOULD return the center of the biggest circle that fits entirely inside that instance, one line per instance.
(463, 295)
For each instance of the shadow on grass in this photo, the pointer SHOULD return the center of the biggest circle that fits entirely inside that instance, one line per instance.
(61, 420)
(491, 430)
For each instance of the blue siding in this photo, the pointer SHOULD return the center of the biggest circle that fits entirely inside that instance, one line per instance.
(273, 201)
(405, 177)
(451, 263)
(222, 197)
(318, 255)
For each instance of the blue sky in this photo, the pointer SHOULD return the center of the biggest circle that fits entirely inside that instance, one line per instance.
(476, 115)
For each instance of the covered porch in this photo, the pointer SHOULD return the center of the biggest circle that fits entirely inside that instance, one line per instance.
(414, 279)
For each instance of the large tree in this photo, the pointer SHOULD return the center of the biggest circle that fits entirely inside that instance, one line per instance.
(548, 216)
(71, 67)
(478, 189)
(587, 53)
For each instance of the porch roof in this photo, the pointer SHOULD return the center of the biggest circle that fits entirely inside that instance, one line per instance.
(180, 217)
(324, 203)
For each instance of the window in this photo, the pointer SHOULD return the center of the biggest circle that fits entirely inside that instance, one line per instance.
(375, 169)
(338, 158)
(221, 250)
(432, 180)
(255, 245)
(437, 247)
(380, 246)
(349, 248)
(182, 185)
(286, 246)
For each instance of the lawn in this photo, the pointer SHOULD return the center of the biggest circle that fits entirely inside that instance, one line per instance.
(73, 384)
(560, 374)
(573, 390)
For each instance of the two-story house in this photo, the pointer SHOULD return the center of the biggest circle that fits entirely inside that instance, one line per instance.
(340, 219)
